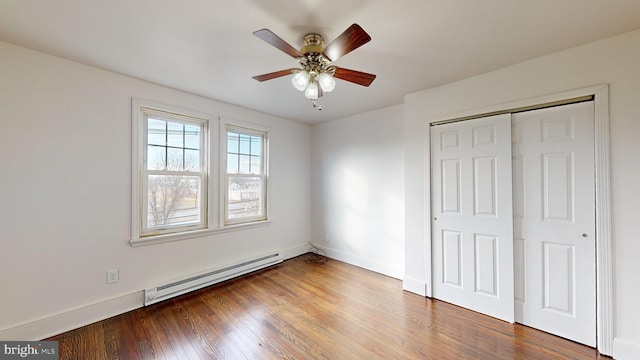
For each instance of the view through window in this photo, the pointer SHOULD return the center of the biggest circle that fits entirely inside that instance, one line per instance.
(174, 174)
(246, 178)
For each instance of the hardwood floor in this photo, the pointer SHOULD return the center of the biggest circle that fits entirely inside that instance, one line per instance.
(300, 310)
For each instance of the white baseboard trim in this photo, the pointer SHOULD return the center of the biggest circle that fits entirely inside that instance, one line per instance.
(84, 315)
(296, 251)
(359, 261)
(415, 286)
(625, 349)
(74, 318)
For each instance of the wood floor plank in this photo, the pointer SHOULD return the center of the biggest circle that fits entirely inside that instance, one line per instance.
(301, 310)
(269, 322)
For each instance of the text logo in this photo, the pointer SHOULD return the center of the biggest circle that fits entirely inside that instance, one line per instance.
(40, 350)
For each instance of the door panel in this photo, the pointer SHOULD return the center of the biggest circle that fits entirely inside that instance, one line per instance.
(554, 205)
(558, 278)
(472, 209)
(557, 186)
(486, 264)
(452, 258)
(484, 186)
(451, 186)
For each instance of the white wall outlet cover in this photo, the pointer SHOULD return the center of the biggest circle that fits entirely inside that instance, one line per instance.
(113, 276)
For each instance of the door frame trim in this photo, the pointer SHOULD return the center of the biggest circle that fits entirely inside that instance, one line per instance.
(602, 177)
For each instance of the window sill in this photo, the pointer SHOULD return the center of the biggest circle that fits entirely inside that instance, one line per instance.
(158, 239)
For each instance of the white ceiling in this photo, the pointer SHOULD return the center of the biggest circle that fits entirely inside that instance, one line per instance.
(206, 47)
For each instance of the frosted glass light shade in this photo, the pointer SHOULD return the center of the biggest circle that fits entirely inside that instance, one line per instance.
(300, 80)
(311, 92)
(326, 82)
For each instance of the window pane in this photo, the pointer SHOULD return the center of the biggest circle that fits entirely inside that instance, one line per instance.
(245, 144)
(233, 142)
(245, 197)
(175, 134)
(232, 164)
(256, 145)
(255, 165)
(192, 136)
(245, 163)
(172, 187)
(192, 160)
(174, 159)
(155, 157)
(173, 200)
(245, 191)
(157, 134)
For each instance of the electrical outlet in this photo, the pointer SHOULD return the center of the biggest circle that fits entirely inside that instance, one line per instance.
(113, 276)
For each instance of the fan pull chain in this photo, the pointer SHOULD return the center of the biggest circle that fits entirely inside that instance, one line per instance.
(316, 105)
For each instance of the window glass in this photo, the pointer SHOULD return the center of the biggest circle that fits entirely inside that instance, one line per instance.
(245, 197)
(246, 176)
(157, 132)
(173, 200)
(174, 174)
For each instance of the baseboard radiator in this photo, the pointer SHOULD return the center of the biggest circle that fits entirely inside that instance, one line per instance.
(179, 287)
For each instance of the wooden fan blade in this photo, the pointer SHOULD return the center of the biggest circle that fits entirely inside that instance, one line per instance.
(276, 74)
(349, 40)
(275, 40)
(356, 77)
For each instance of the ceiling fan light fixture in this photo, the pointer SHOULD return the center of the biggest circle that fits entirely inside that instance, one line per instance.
(326, 82)
(300, 80)
(311, 92)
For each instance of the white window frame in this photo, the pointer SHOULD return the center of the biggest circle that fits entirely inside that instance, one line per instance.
(214, 201)
(203, 174)
(141, 110)
(246, 129)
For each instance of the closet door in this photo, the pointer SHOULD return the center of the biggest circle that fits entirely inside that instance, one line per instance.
(554, 221)
(472, 215)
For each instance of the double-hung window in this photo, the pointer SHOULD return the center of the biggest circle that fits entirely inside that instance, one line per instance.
(174, 174)
(171, 171)
(194, 175)
(246, 175)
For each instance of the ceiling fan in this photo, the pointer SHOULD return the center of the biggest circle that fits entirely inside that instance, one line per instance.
(316, 75)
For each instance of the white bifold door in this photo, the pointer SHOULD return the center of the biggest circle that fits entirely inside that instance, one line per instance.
(472, 216)
(513, 228)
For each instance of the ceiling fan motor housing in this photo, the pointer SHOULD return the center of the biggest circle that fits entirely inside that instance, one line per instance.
(313, 44)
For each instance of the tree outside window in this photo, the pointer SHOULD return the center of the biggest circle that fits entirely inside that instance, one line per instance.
(174, 175)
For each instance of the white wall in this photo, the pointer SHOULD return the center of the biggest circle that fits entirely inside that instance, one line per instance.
(358, 190)
(614, 61)
(65, 195)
